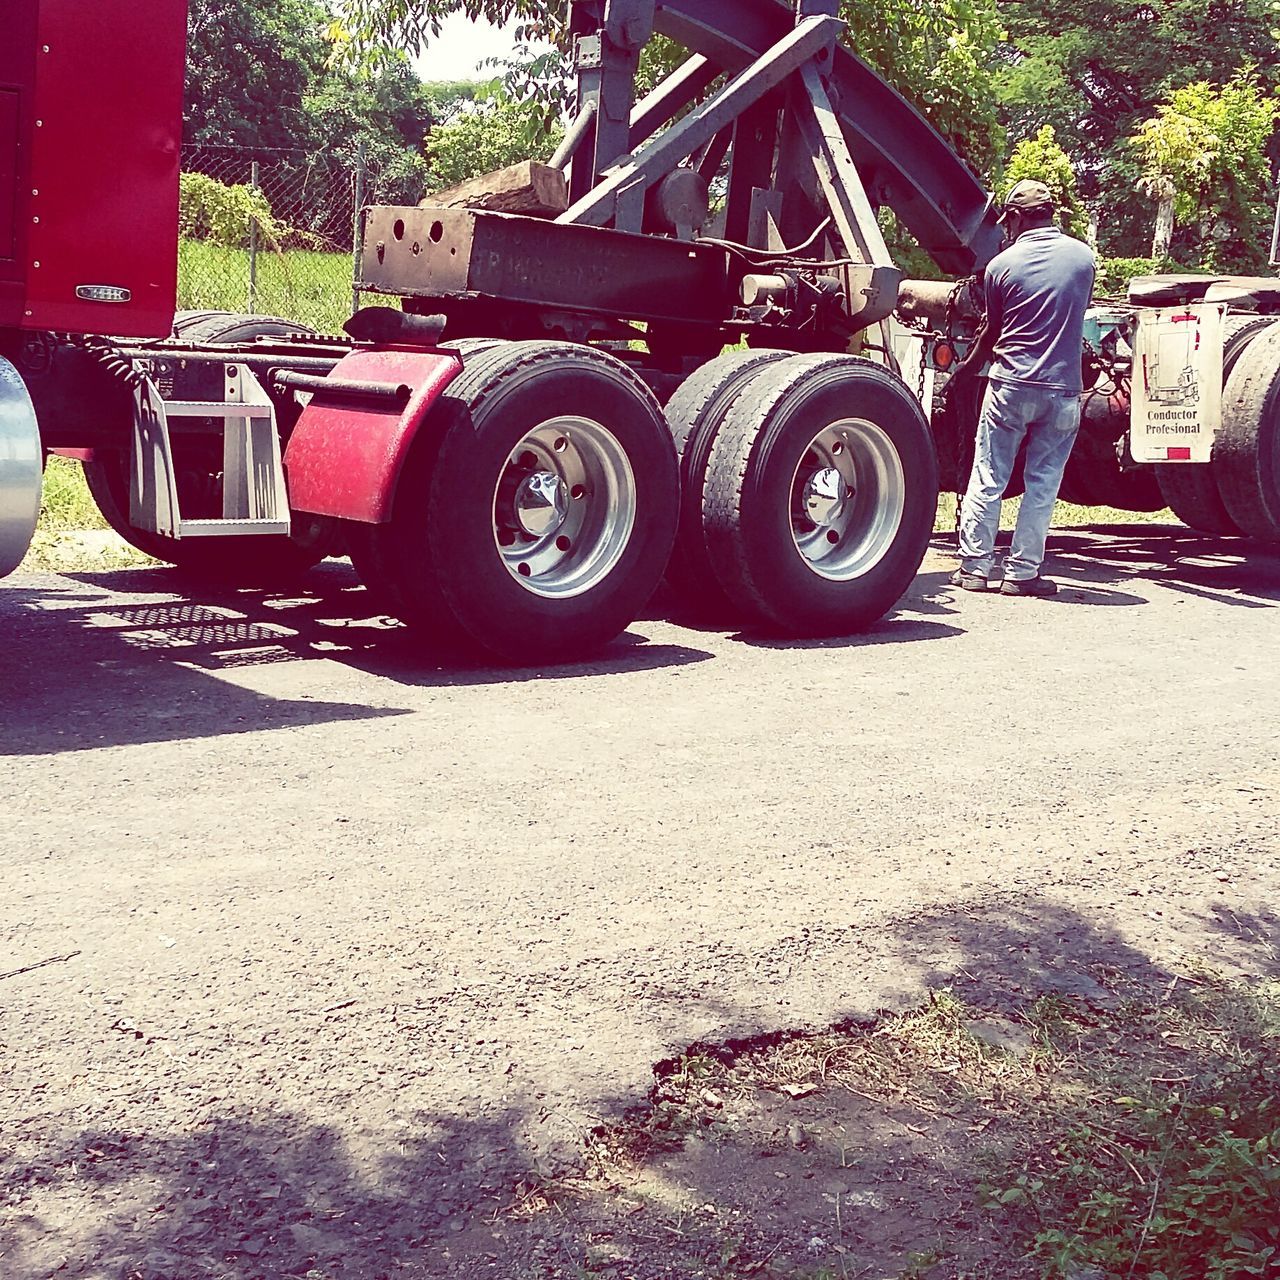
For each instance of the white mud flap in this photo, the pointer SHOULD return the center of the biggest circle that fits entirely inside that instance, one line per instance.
(1176, 405)
(21, 469)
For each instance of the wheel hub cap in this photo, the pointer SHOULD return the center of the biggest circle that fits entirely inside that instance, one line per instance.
(847, 499)
(564, 507)
(825, 496)
(541, 503)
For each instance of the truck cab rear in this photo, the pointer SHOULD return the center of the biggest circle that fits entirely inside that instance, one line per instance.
(90, 128)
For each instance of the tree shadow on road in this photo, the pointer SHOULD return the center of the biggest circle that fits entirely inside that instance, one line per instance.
(88, 670)
(764, 1166)
(82, 676)
(1230, 571)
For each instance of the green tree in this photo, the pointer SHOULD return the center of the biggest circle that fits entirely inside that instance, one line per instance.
(941, 55)
(250, 63)
(383, 118)
(1097, 71)
(261, 76)
(1043, 159)
(1203, 157)
(492, 133)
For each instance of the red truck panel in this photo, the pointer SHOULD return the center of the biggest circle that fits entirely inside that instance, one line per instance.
(17, 73)
(97, 93)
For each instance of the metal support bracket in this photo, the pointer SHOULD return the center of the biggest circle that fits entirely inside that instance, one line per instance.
(254, 499)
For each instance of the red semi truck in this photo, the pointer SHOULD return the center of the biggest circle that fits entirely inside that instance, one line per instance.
(559, 395)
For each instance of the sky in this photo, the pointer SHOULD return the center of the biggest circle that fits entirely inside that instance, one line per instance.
(462, 45)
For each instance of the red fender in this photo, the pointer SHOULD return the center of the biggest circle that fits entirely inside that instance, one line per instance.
(343, 459)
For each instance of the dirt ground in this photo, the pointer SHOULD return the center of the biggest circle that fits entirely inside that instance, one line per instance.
(322, 960)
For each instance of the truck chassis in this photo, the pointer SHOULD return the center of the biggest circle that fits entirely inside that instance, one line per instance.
(566, 404)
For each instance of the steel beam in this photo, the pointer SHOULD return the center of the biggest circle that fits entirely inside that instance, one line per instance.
(904, 162)
(854, 217)
(689, 81)
(468, 255)
(618, 187)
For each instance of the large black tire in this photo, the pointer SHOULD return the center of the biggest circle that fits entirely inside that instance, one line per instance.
(370, 549)
(1192, 491)
(233, 326)
(793, 425)
(1093, 476)
(694, 415)
(500, 426)
(1246, 453)
(247, 561)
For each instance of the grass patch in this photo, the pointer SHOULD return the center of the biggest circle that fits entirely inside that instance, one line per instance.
(1170, 1171)
(1065, 515)
(298, 284)
(65, 503)
(1136, 1137)
(72, 535)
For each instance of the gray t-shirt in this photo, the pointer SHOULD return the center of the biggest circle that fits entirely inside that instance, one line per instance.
(1037, 291)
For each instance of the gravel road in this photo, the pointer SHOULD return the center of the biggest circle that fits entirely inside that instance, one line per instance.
(311, 950)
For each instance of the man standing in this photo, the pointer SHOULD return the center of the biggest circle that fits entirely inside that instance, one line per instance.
(1036, 294)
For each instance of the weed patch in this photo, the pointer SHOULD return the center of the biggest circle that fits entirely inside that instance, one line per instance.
(1133, 1138)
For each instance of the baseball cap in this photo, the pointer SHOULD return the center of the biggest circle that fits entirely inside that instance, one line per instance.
(1025, 196)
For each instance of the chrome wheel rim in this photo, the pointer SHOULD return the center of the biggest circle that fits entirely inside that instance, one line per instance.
(847, 499)
(564, 507)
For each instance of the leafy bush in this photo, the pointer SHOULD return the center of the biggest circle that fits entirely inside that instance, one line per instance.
(486, 135)
(1044, 160)
(1204, 157)
(1178, 1177)
(212, 210)
(1209, 1203)
(1114, 274)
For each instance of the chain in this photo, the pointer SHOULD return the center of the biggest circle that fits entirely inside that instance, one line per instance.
(953, 301)
(932, 335)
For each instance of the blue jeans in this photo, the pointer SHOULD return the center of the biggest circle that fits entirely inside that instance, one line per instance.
(1048, 420)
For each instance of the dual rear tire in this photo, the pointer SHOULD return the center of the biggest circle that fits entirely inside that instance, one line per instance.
(811, 489)
(540, 502)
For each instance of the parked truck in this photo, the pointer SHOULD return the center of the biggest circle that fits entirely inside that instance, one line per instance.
(670, 350)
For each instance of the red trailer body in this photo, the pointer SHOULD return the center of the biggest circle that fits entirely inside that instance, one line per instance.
(89, 164)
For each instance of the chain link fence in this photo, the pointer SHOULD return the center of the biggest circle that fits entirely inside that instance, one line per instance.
(274, 232)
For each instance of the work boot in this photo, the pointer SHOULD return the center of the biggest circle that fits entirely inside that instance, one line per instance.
(969, 581)
(1036, 586)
